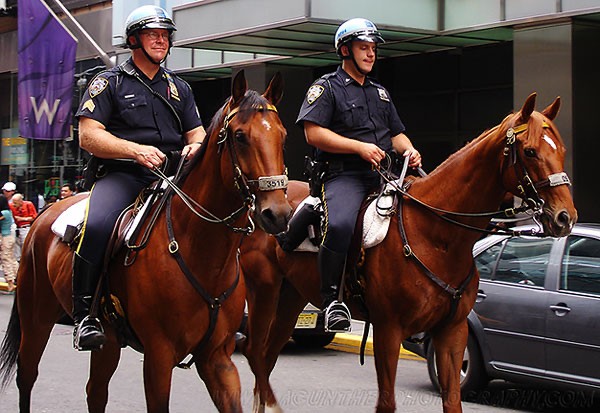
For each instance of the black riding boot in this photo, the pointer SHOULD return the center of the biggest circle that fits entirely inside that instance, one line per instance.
(298, 228)
(88, 333)
(331, 268)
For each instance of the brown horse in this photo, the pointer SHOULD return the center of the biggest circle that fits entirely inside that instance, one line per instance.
(171, 316)
(400, 297)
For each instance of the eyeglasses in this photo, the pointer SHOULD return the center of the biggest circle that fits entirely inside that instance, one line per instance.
(154, 36)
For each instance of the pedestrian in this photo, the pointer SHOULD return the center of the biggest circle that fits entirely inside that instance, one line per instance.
(67, 190)
(7, 256)
(8, 190)
(351, 122)
(24, 213)
(138, 111)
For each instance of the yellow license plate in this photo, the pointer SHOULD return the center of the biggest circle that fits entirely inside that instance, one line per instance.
(307, 320)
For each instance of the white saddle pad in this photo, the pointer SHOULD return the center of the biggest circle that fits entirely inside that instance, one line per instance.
(73, 216)
(376, 222)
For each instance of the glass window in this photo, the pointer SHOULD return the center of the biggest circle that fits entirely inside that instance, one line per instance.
(486, 261)
(524, 261)
(581, 265)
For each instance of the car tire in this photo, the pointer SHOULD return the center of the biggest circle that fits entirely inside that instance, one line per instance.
(472, 376)
(313, 340)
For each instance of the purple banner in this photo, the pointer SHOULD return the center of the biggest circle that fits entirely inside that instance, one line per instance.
(46, 72)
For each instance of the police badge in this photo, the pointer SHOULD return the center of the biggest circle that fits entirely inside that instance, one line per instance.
(383, 95)
(314, 92)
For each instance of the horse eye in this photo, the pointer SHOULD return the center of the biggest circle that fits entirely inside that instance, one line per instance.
(240, 136)
(530, 153)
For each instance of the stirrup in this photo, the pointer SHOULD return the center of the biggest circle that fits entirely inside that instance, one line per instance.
(96, 338)
(337, 318)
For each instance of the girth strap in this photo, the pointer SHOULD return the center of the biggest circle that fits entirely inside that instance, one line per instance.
(214, 303)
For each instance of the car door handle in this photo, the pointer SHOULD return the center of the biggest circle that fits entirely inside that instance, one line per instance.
(560, 309)
(480, 296)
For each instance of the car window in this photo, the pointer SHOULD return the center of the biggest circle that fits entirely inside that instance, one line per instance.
(581, 265)
(524, 261)
(486, 261)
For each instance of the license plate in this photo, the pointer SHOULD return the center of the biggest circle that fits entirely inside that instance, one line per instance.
(307, 320)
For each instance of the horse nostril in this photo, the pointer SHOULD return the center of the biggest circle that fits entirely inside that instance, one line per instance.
(563, 218)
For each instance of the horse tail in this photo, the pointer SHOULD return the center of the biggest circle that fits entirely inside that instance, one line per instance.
(9, 351)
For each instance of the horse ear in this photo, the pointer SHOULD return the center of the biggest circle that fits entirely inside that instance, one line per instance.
(552, 110)
(238, 87)
(274, 91)
(528, 107)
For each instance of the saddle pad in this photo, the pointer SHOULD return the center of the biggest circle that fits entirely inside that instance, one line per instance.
(72, 216)
(377, 218)
(376, 222)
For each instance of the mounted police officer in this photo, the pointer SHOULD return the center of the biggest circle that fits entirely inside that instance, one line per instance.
(136, 111)
(351, 121)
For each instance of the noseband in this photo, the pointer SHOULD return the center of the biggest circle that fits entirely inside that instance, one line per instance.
(244, 185)
(527, 188)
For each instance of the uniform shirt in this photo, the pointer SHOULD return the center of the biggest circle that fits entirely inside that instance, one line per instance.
(362, 112)
(130, 111)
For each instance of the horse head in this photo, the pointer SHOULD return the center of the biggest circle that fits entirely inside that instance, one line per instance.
(533, 166)
(255, 136)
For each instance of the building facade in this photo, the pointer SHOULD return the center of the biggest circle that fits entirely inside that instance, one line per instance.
(454, 68)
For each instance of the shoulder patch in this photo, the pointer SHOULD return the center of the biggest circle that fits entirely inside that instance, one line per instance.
(383, 94)
(314, 92)
(97, 86)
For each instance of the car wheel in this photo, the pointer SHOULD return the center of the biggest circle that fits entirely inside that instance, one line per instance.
(313, 340)
(472, 373)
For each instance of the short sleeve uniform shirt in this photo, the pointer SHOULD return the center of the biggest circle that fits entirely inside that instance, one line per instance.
(362, 112)
(130, 111)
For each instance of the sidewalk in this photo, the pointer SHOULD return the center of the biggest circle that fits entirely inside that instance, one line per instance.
(350, 342)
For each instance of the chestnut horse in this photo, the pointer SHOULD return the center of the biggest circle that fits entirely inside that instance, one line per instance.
(172, 316)
(400, 297)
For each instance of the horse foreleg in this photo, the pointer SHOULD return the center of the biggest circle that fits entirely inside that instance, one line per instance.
(290, 304)
(158, 372)
(102, 367)
(222, 379)
(386, 349)
(262, 306)
(449, 345)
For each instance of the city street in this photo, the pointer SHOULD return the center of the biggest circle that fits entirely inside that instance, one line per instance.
(304, 381)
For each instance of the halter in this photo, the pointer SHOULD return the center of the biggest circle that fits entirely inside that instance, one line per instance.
(242, 183)
(527, 188)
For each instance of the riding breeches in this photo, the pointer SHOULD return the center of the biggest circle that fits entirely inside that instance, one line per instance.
(109, 196)
(343, 195)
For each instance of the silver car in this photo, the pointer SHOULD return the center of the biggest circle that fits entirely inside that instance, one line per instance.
(537, 314)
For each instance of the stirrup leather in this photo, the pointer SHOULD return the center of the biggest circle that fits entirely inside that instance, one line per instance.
(337, 318)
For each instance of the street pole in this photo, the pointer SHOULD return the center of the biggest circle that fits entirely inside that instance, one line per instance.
(103, 56)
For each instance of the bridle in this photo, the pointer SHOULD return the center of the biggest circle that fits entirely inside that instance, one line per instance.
(526, 187)
(532, 202)
(244, 185)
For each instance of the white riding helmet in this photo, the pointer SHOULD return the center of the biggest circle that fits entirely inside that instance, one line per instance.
(147, 17)
(356, 29)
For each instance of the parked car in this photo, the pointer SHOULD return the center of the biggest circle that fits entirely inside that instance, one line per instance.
(536, 318)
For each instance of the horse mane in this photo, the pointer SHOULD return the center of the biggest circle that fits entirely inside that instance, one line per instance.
(251, 102)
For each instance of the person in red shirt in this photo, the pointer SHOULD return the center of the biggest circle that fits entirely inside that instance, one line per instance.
(24, 213)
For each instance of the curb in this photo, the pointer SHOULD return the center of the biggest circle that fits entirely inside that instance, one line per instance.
(350, 343)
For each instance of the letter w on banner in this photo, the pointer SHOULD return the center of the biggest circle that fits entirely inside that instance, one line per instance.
(46, 72)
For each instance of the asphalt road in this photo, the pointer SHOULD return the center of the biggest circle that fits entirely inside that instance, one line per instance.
(305, 382)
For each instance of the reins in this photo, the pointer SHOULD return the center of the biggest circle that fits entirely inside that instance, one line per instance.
(532, 202)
